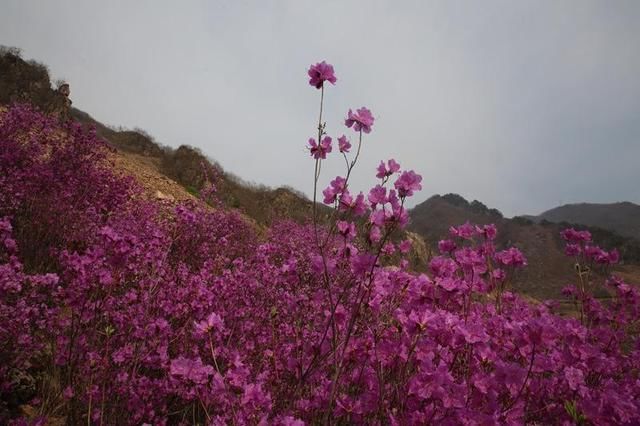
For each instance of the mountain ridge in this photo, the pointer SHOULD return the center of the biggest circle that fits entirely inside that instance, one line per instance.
(622, 217)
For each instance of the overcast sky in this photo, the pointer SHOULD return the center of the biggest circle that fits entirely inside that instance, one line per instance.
(521, 105)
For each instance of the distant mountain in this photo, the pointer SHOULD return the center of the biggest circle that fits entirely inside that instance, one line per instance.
(623, 218)
(549, 269)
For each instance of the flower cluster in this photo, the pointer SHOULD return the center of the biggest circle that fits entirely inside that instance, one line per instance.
(319, 73)
(361, 120)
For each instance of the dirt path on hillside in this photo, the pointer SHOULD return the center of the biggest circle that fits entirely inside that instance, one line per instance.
(145, 171)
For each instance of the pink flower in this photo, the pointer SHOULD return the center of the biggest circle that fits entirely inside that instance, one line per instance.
(386, 171)
(321, 72)
(68, 393)
(574, 236)
(378, 217)
(357, 205)
(489, 232)
(363, 263)
(377, 195)
(407, 183)
(388, 249)
(213, 321)
(362, 120)
(320, 151)
(375, 235)
(465, 231)
(318, 263)
(446, 246)
(191, 369)
(574, 377)
(337, 186)
(343, 144)
(572, 249)
(499, 274)
(404, 246)
(400, 215)
(346, 229)
(511, 257)
(614, 256)
(595, 253)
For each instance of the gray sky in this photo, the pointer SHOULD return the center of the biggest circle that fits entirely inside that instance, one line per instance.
(521, 105)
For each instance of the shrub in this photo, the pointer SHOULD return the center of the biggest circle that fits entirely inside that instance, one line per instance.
(119, 311)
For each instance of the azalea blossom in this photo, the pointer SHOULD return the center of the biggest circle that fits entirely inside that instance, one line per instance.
(346, 229)
(337, 186)
(320, 150)
(213, 322)
(361, 120)
(321, 72)
(511, 257)
(387, 170)
(407, 183)
(343, 144)
(377, 195)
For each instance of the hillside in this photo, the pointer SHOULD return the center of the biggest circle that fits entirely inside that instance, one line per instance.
(165, 172)
(549, 269)
(622, 218)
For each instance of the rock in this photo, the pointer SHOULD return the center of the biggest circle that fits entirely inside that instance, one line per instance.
(162, 196)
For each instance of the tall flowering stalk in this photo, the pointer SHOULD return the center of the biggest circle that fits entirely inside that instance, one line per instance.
(351, 296)
(318, 75)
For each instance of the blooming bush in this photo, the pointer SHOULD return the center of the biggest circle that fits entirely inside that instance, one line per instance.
(115, 310)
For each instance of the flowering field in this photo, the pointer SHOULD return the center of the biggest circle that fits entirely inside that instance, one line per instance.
(115, 310)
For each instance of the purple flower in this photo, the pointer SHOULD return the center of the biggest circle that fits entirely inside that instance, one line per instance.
(387, 170)
(499, 274)
(191, 369)
(407, 183)
(346, 229)
(465, 231)
(572, 249)
(595, 253)
(320, 151)
(446, 246)
(489, 232)
(362, 264)
(400, 215)
(213, 321)
(357, 205)
(377, 195)
(574, 377)
(343, 144)
(374, 234)
(321, 72)
(573, 236)
(362, 120)
(511, 257)
(378, 217)
(337, 186)
(443, 267)
(404, 246)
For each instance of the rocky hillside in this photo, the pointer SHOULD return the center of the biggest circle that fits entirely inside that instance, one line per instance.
(166, 172)
(549, 269)
(622, 218)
